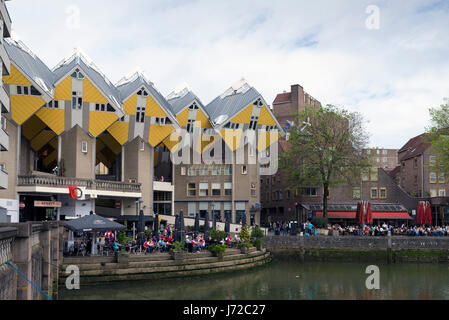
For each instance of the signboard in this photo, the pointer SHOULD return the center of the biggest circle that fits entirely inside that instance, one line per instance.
(22, 205)
(48, 204)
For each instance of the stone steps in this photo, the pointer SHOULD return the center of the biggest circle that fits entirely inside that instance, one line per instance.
(172, 268)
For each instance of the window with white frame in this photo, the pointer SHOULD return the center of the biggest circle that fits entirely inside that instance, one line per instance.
(442, 192)
(183, 171)
(204, 189)
(228, 188)
(84, 146)
(216, 189)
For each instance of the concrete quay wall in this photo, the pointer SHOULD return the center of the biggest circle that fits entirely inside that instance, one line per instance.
(35, 249)
(389, 249)
(160, 266)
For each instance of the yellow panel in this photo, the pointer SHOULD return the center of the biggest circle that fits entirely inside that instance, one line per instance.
(23, 107)
(91, 93)
(244, 116)
(204, 143)
(130, 105)
(231, 137)
(200, 116)
(158, 133)
(172, 141)
(100, 121)
(266, 139)
(50, 158)
(119, 130)
(266, 118)
(16, 77)
(153, 109)
(63, 90)
(111, 143)
(42, 139)
(32, 127)
(156, 158)
(53, 118)
(183, 117)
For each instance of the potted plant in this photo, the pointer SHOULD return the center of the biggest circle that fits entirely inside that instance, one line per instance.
(177, 252)
(244, 247)
(258, 244)
(217, 250)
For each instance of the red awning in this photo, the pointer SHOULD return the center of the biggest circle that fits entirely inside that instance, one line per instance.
(392, 215)
(376, 215)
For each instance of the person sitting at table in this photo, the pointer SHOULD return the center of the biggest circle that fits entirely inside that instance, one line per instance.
(116, 246)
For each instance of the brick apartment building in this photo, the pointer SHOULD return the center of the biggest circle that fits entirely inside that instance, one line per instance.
(282, 203)
(418, 176)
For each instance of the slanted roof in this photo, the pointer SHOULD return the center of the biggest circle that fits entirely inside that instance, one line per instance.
(178, 103)
(129, 85)
(283, 97)
(30, 64)
(93, 73)
(414, 147)
(223, 108)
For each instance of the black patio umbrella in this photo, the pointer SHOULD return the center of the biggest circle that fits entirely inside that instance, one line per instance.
(244, 219)
(93, 223)
(182, 229)
(197, 224)
(141, 229)
(156, 225)
(214, 221)
(175, 232)
(206, 227)
(227, 227)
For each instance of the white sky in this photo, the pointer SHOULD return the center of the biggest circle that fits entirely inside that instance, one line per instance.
(391, 75)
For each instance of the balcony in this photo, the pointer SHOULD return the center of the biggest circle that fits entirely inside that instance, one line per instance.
(6, 20)
(4, 140)
(4, 100)
(49, 183)
(166, 186)
(3, 179)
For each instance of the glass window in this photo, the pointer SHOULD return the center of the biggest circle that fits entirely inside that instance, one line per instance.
(432, 160)
(244, 170)
(433, 177)
(216, 189)
(183, 171)
(382, 193)
(34, 91)
(374, 193)
(73, 75)
(191, 189)
(228, 188)
(365, 176)
(442, 192)
(374, 175)
(204, 189)
(84, 146)
(356, 193)
(19, 90)
(73, 102)
(441, 178)
(192, 172)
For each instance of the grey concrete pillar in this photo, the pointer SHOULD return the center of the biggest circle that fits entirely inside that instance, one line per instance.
(45, 240)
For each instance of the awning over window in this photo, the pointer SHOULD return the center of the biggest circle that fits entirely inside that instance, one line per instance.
(376, 215)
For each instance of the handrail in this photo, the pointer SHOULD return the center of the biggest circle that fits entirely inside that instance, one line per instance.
(56, 181)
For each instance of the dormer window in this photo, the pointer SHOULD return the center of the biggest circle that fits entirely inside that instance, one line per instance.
(253, 123)
(140, 114)
(109, 108)
(194, 106)
(77, 74)
(258, 103)
(142, 92)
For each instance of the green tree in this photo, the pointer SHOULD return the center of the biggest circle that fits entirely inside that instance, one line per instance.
(438, 135)
(325, 149)
(244, 234)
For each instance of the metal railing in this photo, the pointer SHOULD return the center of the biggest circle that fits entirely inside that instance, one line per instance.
(56, 181)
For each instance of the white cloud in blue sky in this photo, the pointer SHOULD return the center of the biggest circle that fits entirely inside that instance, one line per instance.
(391, 75)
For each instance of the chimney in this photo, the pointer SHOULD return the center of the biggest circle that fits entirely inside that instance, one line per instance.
(297, 96)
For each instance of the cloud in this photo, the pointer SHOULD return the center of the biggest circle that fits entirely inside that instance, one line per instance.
(391, 75)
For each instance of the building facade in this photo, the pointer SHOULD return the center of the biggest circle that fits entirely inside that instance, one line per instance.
(71, 126)
(417, 174)
(281, 202)
(5, 32)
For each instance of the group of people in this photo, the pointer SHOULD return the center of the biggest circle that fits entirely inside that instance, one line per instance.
(308, 229)
(383, 229)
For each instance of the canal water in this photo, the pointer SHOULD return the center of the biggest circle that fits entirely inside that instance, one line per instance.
(284, 280)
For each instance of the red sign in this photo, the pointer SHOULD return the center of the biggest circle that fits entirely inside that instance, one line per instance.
(296, 204)
(22, 205)
(117, 204)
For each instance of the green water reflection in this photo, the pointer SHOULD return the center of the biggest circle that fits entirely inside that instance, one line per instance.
(284, 280)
